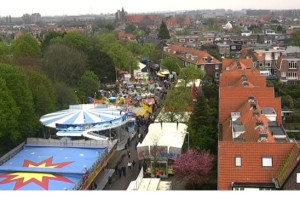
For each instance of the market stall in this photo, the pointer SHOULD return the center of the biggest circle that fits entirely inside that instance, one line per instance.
(161, 147)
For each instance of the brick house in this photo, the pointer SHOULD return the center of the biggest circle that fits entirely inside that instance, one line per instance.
(255, 152)
(288, 69)
(200, 59)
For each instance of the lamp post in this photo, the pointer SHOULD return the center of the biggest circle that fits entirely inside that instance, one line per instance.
(188, 140)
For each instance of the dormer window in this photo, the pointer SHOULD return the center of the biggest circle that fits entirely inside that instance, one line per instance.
(267, 161)
(238, 161)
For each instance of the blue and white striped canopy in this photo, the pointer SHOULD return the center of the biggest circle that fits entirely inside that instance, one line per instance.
(84, 115)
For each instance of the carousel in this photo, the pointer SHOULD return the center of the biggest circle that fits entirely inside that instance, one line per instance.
(92, 121)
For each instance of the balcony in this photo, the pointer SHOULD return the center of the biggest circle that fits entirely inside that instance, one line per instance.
(292, 78)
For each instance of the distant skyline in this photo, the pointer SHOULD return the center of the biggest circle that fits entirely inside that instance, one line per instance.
(16, 8)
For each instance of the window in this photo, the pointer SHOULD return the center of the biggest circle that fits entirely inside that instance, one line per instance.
(238, 161)
(292, 65)
(298, 178)
(283, 74)
(216, 75)
(267, 161)
(202, 67)
(216, 67)
(238, 188)
(292, 75)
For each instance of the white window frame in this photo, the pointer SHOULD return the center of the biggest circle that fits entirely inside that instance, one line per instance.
(267, 161)
(283, 74)
(238, 161)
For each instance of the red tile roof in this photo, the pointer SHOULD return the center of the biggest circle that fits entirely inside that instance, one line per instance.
(233, 65)
(141, 18)
(229, 78)
(127, 36)
(251, 154)
(259, 57)
(288, 165)
(252, 131)
(174, 52)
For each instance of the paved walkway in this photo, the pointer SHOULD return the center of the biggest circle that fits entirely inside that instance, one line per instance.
(121, 183)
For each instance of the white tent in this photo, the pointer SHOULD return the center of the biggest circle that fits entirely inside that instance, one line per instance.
(136, 71)
(168, 137)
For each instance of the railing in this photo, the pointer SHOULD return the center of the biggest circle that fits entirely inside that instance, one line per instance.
(71, 143)
(97, 167)
(11, 153)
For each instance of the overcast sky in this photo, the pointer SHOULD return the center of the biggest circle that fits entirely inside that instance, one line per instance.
(17, 8)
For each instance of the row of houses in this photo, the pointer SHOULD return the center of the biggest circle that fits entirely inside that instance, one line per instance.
(277, 63)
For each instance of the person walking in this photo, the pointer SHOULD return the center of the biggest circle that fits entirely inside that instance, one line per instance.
(140, 165)
(109, 181)
(124, 171)
(128, 153)
(158, 174)
(116, 169)
(129, 164)
(133, 164)
(120, 172)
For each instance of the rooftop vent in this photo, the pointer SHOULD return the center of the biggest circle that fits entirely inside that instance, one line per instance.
(255, 114)
(235, 115)
(253, 105)
(239, 139)
(263, 136)
(259, 123)
(245, 83)
(244, 78)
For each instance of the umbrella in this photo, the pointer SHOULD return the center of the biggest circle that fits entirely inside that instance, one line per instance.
(112, 99)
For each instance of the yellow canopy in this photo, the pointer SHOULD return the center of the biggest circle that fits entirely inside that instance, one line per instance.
(160, 74)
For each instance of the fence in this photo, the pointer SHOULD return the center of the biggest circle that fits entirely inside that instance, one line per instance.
(70, 143)
(11, 153)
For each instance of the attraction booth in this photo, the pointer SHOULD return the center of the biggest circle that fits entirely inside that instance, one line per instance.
(49, 164)
(91, 121)
(161, 147)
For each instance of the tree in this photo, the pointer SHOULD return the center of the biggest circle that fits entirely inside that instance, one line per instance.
(295, 38)
(26, 46)
(202, 127)
(4, 53)
(8, 117)
(28, 121)
(49, 36)
(64, 64)
(43, 92)
(191, 73)
(172, 64)
(88, 84)
(130, 28)
(65, 96)
(134, 47)
(177, 104)
(149, 51)
(194, 167)
(78, 41)
(215, 54)
(163, 32)
(100, 62)
(121, 56)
